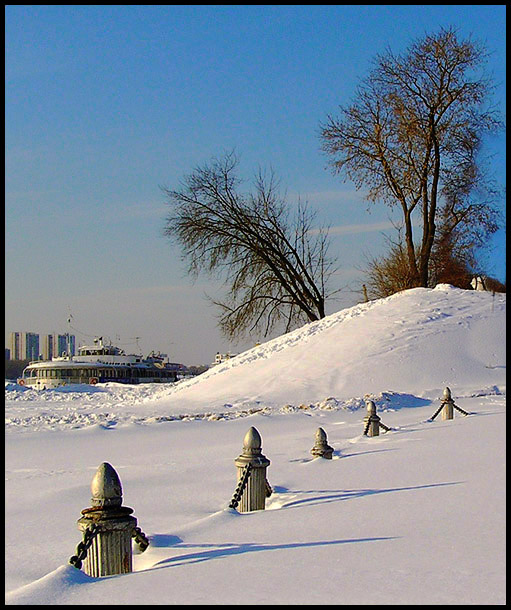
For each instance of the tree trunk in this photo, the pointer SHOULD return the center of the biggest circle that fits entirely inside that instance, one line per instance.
(410, 248)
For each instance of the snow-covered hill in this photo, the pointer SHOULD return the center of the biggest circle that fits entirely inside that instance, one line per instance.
(418, 338)
(412, 516)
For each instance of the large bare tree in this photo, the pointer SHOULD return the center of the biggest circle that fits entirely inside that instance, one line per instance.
(413, 136)
(273, 259)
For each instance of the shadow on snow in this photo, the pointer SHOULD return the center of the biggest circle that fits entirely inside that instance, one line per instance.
(215, 551)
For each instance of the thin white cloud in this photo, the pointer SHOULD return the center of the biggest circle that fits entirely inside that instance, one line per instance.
(336, 196)
(361, 228)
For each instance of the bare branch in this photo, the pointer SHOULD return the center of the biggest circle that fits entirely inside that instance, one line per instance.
(276, 267)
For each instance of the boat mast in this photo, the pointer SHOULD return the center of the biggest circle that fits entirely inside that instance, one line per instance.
(68, 337)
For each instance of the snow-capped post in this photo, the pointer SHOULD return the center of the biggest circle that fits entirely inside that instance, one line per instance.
(321, 447)
(108, 528)
(447, 406)
(251, 464)
(372, 422)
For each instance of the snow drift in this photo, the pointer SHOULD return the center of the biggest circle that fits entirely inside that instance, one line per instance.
(416, 338)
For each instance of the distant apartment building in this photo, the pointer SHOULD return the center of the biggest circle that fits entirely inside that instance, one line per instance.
(15, 345)
(30, 346)
(66, 345)
(56, 345)
(24, 346)
(47, 346)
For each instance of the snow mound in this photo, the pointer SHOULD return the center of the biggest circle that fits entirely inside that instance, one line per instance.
(401, 351)
(46, 589)
(392, 344)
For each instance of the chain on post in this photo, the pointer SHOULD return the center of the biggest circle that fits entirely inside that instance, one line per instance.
(460, 409)
(240, 488)
(268, 488)
(437, 412)
(140, 538)
(81, 550)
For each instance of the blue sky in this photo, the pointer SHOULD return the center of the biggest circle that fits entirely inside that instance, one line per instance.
(106, 103)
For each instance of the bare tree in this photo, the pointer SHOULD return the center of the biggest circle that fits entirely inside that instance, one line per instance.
(274, 261)
(413, 138)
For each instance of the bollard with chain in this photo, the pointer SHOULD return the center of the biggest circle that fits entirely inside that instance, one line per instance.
(108, 528)
(321, 447)
(447, 406)
(372, 422)
(253, 487)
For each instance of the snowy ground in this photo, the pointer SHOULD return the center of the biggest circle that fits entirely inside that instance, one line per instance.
(414, 516)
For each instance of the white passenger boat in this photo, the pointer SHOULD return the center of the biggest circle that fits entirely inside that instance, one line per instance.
(100, 363)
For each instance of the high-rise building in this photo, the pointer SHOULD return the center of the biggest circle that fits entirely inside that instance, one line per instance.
(15, 345)
(30, 346)
(65, 344)
(61, 345)
(56, 345)
(47, 347)
(24, 346)
(72, 344)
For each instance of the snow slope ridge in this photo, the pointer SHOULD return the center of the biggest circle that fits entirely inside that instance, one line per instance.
(397, 340)
(383, 350)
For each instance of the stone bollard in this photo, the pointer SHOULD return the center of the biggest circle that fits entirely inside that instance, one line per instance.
(256, 487)
(371, 420)
(321, 447)
(448, 405)
(110, 551)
